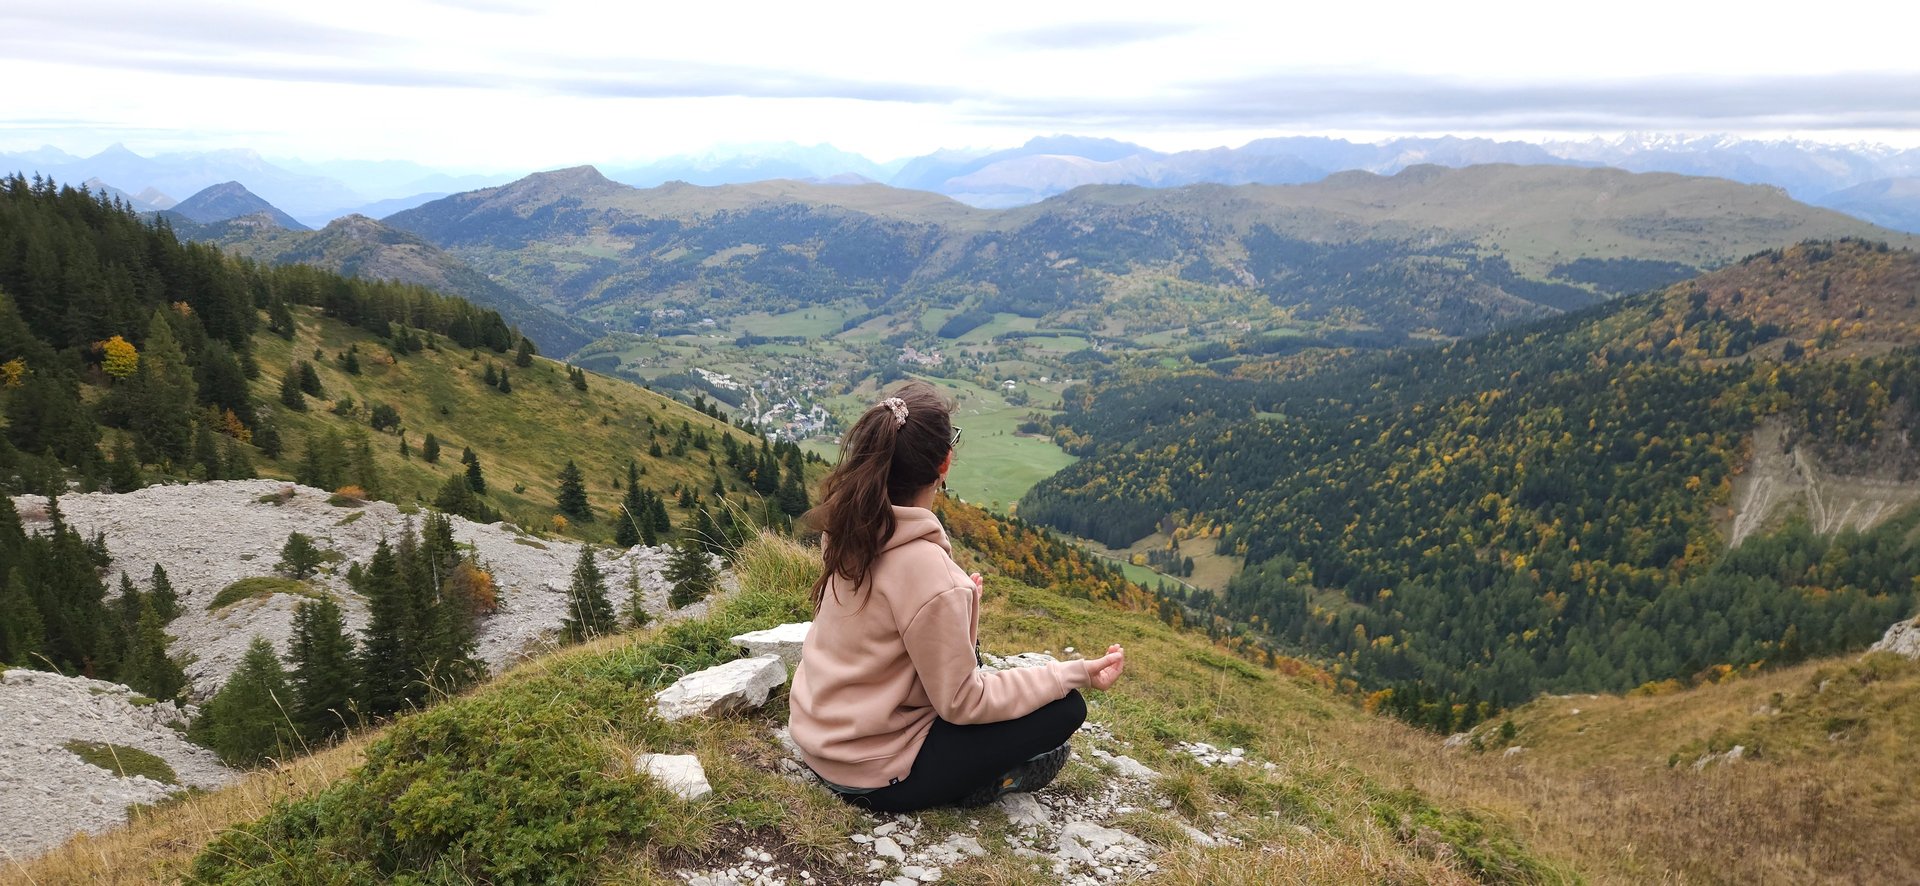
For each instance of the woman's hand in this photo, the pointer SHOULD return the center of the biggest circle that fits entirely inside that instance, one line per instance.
(1104, 671)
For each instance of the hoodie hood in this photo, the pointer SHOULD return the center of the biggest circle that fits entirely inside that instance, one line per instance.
(913, 524)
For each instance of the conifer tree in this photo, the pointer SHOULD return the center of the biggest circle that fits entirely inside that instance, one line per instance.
(248, 721)
(506, 385)
(636, 608)
(160, 591)
(310, 380)
(351, 363)
(635, 520)
(325, 671)
(476, 480)
(386, 664)
(290, 394)
(706, 533)
(366, 474)
(589, 614)
(280, 319)
(222, 382)
(123, 473)
(325, 463)
(491, 377)
(266, 435)
(430, 449)
(22, 632)
(456, 497)
(691, 572)
(161, 396)
(298, 557)
(406, 451)
(235, 463)
(579, 379)
(206, 454)
(58, 569)
(146, 666)
(793, 495)
(662, 524)
(573, 494)
(523, 357)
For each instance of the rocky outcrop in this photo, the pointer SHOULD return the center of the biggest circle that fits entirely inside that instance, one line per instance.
(783, 642)
(48, 791)
(738, 685)
(679, 773)
(1903, 638)
(209, 535)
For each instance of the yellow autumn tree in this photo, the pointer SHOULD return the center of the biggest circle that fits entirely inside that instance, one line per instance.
(13, 373)
(119, 357)
(232, 426)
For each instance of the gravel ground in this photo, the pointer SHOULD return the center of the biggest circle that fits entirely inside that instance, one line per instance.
(47, 793)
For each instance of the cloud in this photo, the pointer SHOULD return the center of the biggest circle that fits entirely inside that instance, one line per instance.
(1361, 101)
(1090, 35)
(142, 26)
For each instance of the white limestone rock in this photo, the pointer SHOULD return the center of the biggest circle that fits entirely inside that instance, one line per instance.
(1902, 638)
(782, 642)
(1023, 810)
(680, 773)
(886, 847)
(1094, 845)
(741, 684)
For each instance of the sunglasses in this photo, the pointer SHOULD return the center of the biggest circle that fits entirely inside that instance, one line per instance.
(955, 439)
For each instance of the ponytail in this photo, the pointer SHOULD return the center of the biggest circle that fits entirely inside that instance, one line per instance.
(892, 452)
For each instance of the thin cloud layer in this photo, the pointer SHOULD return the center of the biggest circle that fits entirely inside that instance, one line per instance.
(1090, 35)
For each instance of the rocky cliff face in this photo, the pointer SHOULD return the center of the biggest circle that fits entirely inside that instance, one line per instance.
(210, 535)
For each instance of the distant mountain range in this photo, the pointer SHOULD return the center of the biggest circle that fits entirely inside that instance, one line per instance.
(229, 200)
(317, 192)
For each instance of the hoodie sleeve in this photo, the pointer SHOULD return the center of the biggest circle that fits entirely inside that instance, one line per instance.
(939, 643)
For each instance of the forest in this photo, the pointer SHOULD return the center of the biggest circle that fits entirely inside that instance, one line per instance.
(1535, 510)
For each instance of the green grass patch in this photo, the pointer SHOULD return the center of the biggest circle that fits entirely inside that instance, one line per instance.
(124, 761)
(261, 586)
(349, 519)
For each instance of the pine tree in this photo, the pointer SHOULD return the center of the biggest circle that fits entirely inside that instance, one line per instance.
(266, 435)
(351, 363)
(280, 319)
(691, 572)
(430, 449)
(160, 591)
(476, 480)
(206, 454)
(123, 473)
(579, 379)
(506, 386)
(290, 394)
(634, 521)
(235, 463)
(58, 569)
(406, 451)
(491, 377)
(366, 473)
(706, 534)
(386, 663)
(145, 666)
(161, 396)
(310, 380)
(636, 609)
(589, 614)
(298, 557)
(573, 494)
(523, 358)
(793, 495)
(22, 632)
(326, 462)
(325, 674)
(248, 721)
(456, 497)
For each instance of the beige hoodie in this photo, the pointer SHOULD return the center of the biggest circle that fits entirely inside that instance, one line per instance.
(878, 665)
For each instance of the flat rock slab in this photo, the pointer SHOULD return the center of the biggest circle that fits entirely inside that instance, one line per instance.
(742, 684)
(1023, 810)
(783, 642)
(680, 773)
(1094, 845)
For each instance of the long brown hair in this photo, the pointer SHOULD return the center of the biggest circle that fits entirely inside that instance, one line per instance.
(883, 461)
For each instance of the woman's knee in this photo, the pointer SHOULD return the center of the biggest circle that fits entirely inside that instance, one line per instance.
(1070, 711)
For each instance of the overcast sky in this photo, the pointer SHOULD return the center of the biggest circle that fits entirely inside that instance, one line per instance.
(541, 83)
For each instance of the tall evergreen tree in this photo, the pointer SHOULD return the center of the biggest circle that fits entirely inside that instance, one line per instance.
(145, 666)
(290, 394)
(636, 608)
(523, 357)
(160, 591)
(476, 480)
(208, 465)
(266, 435)
(160, 413)
(310, 380)
(635, 520)
(573, 494)
(123, 473)
(298, 557)
(589, 614)
(22, 632)
(691, 572)
(430, 449)
(326, 678)
(235, 463)
(386, 664)
(58, 569)
(366, 473)
(248, 721)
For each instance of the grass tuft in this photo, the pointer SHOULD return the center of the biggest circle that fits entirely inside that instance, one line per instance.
(124, 761)
(261, 586)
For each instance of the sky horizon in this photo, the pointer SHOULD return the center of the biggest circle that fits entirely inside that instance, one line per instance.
(507, 84)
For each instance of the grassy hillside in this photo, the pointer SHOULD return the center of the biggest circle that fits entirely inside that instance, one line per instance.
(1605, 791)
(523, 438)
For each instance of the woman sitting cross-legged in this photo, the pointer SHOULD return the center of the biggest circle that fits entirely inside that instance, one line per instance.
(889, 706)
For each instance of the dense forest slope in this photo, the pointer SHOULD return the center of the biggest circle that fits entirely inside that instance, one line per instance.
(1434, 250)
(1543, 508)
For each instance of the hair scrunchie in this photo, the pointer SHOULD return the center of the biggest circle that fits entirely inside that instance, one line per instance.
(899, 408)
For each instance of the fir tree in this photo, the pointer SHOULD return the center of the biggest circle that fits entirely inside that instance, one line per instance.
(280, 319)
(266, 435)
(793, 495)
(573, 494)
(523, 357)
(706, 534)
(248, 722)
(366, 474)
(235, 463)
(386, 664)
(123, 473)
(579, 379)
(58, 569)
(456, 497)
(406, 451)
(491, 377)
(476, 480)
(351, 362)
(145, 666)
(635, 520)
(636, 609)
(589, 614)
(298, 557)
(430, 449)
(161, 396)
(22, 632)
(160, 591)
(691, 572)
(310, 380)
(506, 386)
(325, 463)
(206, 454)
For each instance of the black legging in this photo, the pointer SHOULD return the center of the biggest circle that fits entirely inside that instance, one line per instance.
(957, 760)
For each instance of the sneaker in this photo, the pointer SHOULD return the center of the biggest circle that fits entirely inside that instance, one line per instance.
(1032, 775)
